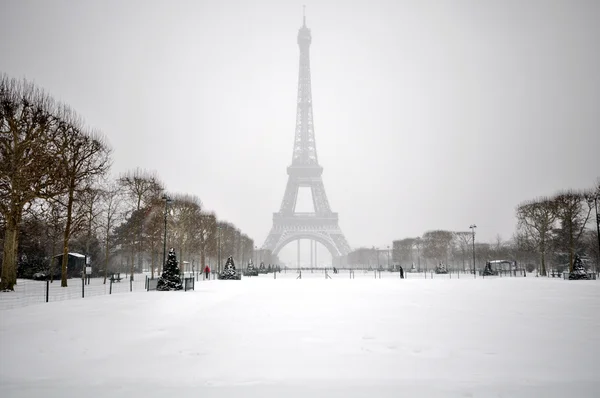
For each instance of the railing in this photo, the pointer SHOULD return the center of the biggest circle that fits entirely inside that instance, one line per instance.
(29, 292)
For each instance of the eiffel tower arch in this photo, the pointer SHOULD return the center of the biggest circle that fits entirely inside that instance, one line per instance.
(320, 225)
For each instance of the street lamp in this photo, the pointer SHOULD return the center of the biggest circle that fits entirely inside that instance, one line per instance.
(595, 199)
(418, 244)
(473, 226)
(167, 200)
(219, 246)
(388, 253)
(598, 228)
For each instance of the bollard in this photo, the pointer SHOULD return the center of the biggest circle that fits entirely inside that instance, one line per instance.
(47, 289)
(110, 288)
(131, 284)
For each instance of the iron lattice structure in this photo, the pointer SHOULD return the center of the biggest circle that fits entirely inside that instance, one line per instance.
(305, 171)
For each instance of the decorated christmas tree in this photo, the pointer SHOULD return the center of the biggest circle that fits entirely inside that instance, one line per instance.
(170, 278)
(441, 269)
(250, 269)
(579, 271)
(262, 269)
(229, 271)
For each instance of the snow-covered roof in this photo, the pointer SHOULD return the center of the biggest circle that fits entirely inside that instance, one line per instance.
(79, 255)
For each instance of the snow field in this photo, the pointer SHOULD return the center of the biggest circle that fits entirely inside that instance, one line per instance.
(512, 337)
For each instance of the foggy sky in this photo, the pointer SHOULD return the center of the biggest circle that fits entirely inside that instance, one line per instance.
(428, 114)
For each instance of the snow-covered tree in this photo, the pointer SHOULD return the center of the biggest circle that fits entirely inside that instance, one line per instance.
(229, 271)
(441, 269)
(170, 279)
(579, 270)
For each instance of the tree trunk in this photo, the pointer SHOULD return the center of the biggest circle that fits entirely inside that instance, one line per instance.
(106, 254)
(571, 246)
(9, 261)
(153, 263)
(543, 260)
(65, 259)
(132, 262)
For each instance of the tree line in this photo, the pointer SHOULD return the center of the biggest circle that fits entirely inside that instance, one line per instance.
(56, 197)
(550, 232)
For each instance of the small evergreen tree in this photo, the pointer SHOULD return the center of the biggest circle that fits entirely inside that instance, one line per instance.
(229, 272)
(579, 270)
(170, 279)
(251, 269)
(441, 269)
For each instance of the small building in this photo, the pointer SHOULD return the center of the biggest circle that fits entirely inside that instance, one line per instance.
(75, 264)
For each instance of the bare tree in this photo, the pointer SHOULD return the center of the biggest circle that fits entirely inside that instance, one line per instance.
(54, 215)
(28, 169)
(402, 250)
(154, 233)
(573, 215)
(208, 237)
(91, 212)
(437, 245)
(111, 211)
(142, 187)
(536, 221)
(186, 229)
(464, 240)
(83, 157)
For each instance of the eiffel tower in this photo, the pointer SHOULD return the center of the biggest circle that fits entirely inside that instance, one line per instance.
(322, 224)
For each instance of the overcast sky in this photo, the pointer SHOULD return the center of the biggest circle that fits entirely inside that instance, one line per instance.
(428, 114)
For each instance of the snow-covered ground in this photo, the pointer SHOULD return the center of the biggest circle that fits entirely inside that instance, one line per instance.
(315, 337)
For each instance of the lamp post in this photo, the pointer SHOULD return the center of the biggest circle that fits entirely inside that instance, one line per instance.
(219, 246)
(167, 200)
(473, 226)
(418, 244)
(598, 229)
(595, 199)
(388, 253)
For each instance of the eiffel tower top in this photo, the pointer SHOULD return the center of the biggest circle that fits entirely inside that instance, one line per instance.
(304, 37)
(305, 149)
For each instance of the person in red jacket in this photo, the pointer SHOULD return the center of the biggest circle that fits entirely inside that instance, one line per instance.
(207, 272)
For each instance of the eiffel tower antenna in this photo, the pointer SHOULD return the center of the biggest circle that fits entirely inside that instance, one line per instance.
(304, 15)
(322, 224)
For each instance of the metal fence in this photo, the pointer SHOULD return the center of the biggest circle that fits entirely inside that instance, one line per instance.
(29, 292)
